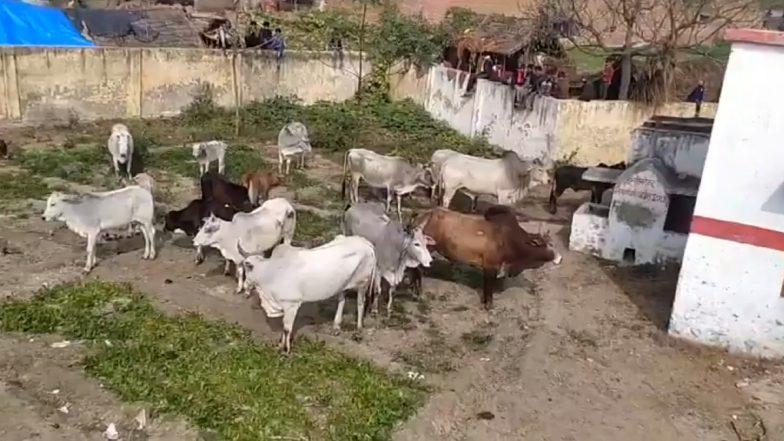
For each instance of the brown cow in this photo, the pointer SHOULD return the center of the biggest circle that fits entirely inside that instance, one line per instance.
(495, 243)
(259, 183)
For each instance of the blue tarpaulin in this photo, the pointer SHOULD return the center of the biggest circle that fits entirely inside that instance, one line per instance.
(23, 24)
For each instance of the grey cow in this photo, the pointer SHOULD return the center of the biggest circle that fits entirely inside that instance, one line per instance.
(397, 248)
(392, 173)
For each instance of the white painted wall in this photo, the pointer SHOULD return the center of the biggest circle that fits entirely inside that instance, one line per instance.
(488, 112)
(683, 152)
(591, 132)
(729, 293)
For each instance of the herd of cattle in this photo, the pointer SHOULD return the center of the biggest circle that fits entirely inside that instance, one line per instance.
(254, 232)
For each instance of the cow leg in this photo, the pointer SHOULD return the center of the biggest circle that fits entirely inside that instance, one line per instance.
(280, 163)
(226, 267)
(289, 317)
(489, 285)
(128, 166)
(473, 202)
(389, 199)
(390, 297)
(355, 188)
(240, 271)
(361, 293)
(339, 313)
(448, 195)
(92, 239)
(399, 216)
(416, 281)
(555, 193)
(288, 165)
(153, 250)
(221, 164)
(116, 168)
(146, 236)
(199, 255)
(374, 309)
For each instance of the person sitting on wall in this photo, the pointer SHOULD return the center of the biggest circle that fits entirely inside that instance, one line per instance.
(535, 87)
(587, 91)
(278, 44)
(265, 35)
(607, 76)
(561, 86)
(696, 96)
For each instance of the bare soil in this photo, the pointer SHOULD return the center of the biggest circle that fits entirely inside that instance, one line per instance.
(577, 351)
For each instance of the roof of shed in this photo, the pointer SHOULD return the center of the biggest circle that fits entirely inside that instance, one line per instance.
(157, 27)
(497, 33)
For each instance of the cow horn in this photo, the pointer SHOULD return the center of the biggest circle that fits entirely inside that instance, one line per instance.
(242, 252)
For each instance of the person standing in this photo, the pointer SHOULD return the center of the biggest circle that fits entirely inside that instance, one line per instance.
(607, 76)
(278, 44)
(696, 96)
(336, 46)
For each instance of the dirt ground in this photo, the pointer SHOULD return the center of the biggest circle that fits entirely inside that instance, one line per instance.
(575, 351)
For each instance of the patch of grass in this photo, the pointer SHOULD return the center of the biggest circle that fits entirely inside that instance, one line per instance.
(433, 355)
(400, 128)
(239, 160)
(78, 164)
(477, 339)
(214, 373)
(322, 197)
(314, 229)
(19, 186)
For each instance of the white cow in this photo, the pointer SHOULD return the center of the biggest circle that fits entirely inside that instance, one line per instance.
(393, 173)
(293, 141)
(120, 145)
(206, 152)
(507, 178)
(90, 213)
(145, 181)
(436, 161)
(259, 231)
(285, 282)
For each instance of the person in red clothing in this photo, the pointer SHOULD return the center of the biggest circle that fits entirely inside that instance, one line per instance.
(607, 77)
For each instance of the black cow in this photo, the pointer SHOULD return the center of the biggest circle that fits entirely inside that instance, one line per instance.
(191, 218)
(215, 188)
(569, 176)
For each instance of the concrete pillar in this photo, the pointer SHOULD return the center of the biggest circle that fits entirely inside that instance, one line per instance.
(730, 287)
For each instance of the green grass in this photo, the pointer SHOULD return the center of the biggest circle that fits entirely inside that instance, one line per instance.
(587, 60)
(590, 60)
(20, 186)
(80, 164)
(215, 374)
(239, 159)
(315, 229)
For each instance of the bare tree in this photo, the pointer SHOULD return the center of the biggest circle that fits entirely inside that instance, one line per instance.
(656, 29)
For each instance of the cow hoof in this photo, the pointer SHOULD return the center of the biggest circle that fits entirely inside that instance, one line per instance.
(336, 330)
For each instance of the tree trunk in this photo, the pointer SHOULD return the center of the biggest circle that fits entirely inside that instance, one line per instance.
(626, 76)
(361, 50)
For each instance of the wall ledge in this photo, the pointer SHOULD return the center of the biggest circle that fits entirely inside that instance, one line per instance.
(755, 36)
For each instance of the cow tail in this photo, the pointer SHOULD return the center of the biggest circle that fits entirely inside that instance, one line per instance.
(345, 167)
(252, 193)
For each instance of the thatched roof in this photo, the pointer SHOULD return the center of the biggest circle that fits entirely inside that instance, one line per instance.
(498, 34)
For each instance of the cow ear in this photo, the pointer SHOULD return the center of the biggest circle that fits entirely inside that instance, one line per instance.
(429, 240)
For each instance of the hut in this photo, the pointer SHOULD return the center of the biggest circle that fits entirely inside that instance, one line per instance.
(507, 40)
